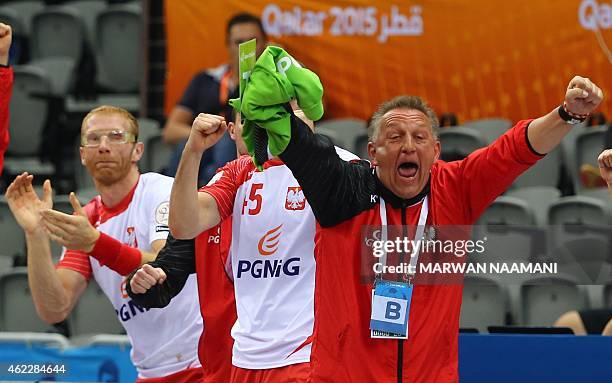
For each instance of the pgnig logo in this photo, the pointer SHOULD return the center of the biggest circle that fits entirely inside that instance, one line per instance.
(269, 268)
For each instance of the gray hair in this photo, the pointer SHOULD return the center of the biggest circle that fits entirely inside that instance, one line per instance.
(401, 102)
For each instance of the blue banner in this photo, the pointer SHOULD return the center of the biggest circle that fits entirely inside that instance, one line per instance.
(83, 364)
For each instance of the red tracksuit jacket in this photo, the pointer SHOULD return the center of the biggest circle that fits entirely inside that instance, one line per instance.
(344, 198)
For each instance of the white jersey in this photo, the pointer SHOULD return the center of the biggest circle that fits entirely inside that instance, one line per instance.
(272, 259)
(164, 341)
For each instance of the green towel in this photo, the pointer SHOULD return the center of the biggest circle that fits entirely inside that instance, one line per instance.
(276, 79)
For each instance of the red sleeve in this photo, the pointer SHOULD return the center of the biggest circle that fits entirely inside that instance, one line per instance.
(77, 261)
(6, 88)
(223, 186)
(488, 172)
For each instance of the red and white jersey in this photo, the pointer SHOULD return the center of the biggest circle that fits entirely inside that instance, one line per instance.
(272, 260)
(164, 341)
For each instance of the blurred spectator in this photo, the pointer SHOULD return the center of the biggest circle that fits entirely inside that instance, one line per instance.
(587, 322)
(592, 176)
(208, 92)
(605, 166)
(6, 87)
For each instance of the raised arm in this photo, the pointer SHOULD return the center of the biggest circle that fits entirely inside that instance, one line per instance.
(54, 292)
(581, 98)
(192, 212)
(488, 172)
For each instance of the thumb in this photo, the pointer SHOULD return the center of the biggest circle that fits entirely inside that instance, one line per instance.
(76, 205)
(576, 93)
(47, 193)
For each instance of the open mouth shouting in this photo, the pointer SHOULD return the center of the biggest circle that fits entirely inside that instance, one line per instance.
(408, 169)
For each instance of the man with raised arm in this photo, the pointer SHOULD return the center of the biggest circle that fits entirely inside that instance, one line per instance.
(405, 184)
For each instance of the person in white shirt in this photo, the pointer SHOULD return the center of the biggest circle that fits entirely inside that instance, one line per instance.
(272, 253)
(120, 229)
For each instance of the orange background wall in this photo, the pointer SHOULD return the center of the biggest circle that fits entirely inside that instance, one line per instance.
(477, 58)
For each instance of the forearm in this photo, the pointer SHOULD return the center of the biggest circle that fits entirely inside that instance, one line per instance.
(546, 132)
(175, 132)
(48, 293)
(184, 220)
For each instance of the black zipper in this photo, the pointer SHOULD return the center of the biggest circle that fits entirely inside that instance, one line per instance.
(400, 342)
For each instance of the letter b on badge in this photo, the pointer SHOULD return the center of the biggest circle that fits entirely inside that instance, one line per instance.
(393, 310)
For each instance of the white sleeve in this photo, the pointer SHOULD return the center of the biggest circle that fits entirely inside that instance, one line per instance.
(159, 208)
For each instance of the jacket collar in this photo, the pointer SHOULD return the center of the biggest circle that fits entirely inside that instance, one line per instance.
(398, 202)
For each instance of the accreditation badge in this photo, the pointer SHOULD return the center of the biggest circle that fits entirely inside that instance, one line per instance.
(390, 310)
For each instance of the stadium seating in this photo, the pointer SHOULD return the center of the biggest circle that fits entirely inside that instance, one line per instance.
(346, 131)
(539, 199)
(484, 303)
(26, 9)
(13, 239)
(545, 172)
(607, 295)
(457, 142)
(590, 140)
(544, 299)
(580, 238)
(508, 226)
(17, 312)
(489, 128)
(28, 115)
(157, 154)
(119, 60)
(89, 10)
(583, 214)
(57, 31)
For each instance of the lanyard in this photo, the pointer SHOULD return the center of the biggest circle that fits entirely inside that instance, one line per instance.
(414, 258)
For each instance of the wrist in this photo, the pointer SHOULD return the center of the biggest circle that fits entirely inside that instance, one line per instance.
(115, 255)
(36, 233)
(191, 149)
(91, 244)
(569, 117)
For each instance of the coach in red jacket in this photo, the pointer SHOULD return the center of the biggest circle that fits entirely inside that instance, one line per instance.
(406, 183)
(6, 86)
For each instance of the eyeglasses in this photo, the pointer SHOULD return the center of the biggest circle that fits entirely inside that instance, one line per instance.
(114, 137)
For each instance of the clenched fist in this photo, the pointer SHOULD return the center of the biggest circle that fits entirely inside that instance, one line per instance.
(582, 96)
(146, 277)
(206, 130)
